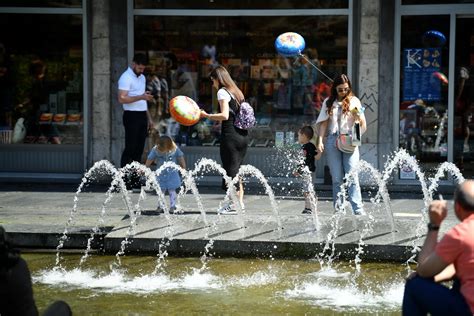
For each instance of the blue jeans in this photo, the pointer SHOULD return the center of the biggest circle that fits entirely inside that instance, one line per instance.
(423, 296)
(339, 164)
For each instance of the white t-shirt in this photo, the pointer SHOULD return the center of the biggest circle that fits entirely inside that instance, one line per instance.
(346, 120)
(222, 94)
(135, 86)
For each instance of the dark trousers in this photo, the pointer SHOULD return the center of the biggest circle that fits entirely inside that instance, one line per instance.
(423, 296)
(136, 130)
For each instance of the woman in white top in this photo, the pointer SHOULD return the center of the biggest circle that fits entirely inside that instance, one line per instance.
(338, 114)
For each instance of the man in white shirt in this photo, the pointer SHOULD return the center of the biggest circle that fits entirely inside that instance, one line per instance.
(136, 119)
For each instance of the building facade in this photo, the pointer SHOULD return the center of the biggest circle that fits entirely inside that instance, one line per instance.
(410, 62)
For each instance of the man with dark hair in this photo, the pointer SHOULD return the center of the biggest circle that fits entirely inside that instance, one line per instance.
(16, 290)
(452, 258)
(136, 118)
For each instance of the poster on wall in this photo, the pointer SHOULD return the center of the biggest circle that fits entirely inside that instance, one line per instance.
(419, 67)
(407, 172)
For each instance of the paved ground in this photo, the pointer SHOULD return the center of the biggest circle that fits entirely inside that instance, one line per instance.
(36, 217)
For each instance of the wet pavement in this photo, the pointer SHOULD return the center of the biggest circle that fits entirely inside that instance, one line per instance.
(36, 218)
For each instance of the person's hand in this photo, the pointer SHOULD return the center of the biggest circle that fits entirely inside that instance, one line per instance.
(296, 173)
(320, 147)
(204, 114)
(437, 212)
(356, 116)
(147, 96)
(151, 126)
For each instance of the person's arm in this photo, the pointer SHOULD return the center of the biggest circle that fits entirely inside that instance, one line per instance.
(223, 115)
(151, 157)
(124, 98)
(429, 263)
(323, 126)
(182, 162)
(363, 124)
(151, 124)
(359, 115)
(148, 162)
(446, 275)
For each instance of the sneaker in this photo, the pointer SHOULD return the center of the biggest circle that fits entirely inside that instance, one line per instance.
(174, 210)
(307, 211)
(360, 212)
(226, 210)
(159, 209)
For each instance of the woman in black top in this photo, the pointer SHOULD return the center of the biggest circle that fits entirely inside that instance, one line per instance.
(234, 141)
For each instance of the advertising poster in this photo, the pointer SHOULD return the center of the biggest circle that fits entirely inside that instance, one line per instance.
(420, 66)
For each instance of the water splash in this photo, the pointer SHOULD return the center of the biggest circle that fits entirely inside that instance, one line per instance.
(249, 170)
(313, 199)
(109, 169)
(441, 171)
(401, 158)
(136, 213)
(206, 164)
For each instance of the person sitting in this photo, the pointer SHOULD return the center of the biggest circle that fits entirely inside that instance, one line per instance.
(449, 259)
(16, 289)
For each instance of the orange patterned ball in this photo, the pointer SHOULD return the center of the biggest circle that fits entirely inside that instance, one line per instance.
(184, 110)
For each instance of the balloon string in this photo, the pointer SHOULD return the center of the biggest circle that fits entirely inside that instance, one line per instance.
(309, 61)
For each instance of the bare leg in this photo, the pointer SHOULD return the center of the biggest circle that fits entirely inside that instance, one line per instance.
(240, 193)
(307, 203)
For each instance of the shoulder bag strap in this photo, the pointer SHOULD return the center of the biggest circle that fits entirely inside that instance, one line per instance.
(232, 97)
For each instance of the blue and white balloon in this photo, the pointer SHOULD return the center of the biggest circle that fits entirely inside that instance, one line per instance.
(434, 38)
(289, 44)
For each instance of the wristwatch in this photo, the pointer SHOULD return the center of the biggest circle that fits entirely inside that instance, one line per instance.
(432, 227)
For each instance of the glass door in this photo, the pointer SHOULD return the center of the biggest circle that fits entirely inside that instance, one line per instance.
(464, 96)
(423, 103)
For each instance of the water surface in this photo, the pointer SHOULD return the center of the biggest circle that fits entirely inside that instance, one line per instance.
(222, 286)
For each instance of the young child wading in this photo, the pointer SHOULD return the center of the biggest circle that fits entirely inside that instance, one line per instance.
(165, 150)
(309, 155)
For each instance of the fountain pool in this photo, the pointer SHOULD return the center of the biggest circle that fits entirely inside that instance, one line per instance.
(222, 286)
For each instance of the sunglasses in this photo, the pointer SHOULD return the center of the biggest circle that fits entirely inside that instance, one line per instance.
(343, 89)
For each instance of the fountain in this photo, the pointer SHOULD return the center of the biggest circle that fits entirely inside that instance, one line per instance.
(323, 281)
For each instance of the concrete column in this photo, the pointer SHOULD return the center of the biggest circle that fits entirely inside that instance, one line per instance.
(119, 63)
(108, 61)
(100, 61)
(386, 60)
(368, 72)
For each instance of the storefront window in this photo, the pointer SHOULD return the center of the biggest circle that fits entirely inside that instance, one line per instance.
(284, 92)
(409, 2)
(41, 89)
(244, 4)
(42, 3)
(424, 89)
(464, 96)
